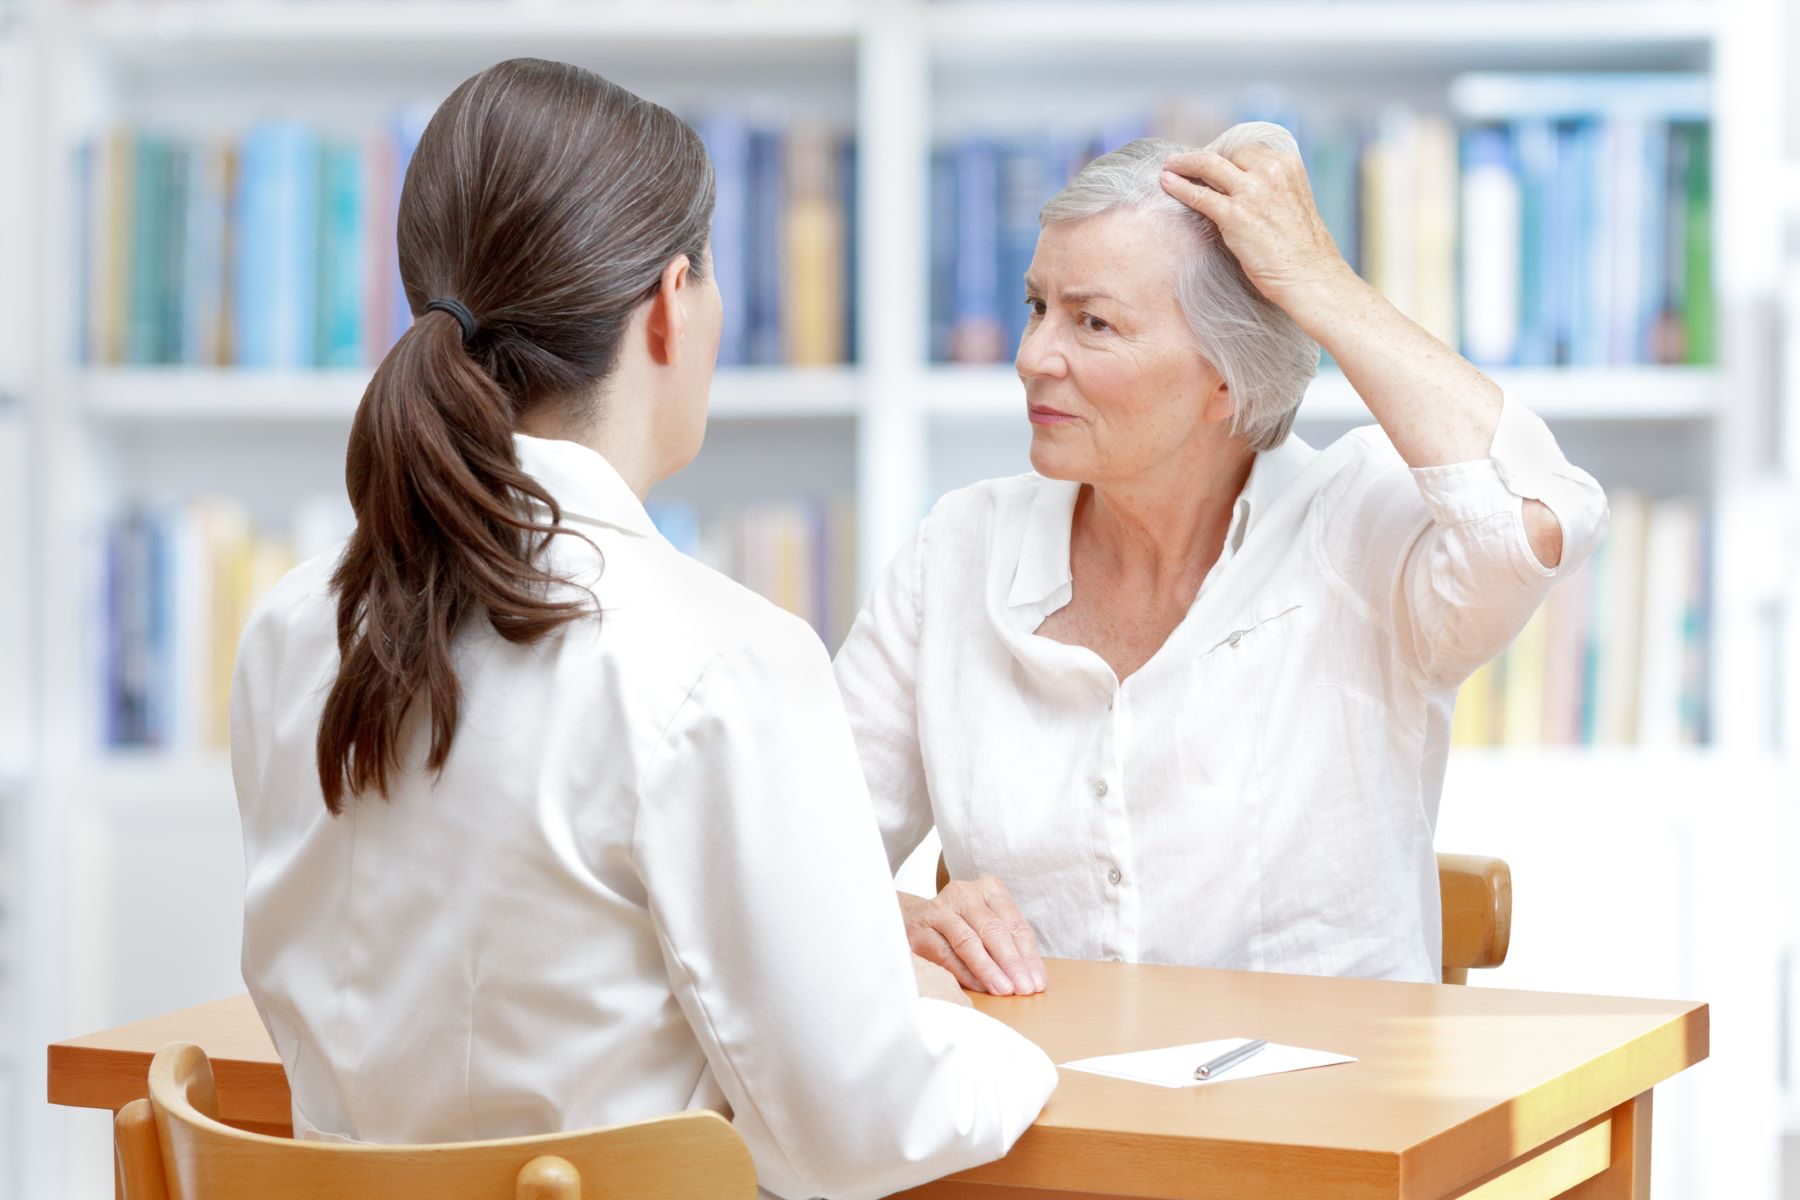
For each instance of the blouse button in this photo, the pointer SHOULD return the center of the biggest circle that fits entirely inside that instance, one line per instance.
(1237, 635)
(1113, 875)
(1099, 787)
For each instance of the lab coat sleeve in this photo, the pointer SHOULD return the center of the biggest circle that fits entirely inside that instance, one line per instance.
(770, 893)
(877, 672)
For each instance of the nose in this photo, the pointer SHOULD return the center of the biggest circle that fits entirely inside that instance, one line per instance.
(1040, 355)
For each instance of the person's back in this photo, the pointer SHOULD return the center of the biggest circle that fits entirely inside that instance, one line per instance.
(638, 871)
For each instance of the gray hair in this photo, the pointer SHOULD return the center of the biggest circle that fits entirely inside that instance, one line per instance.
(1265, 358)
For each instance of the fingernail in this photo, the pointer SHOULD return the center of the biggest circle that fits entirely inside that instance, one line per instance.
(1042, 981)
(1023, 983)
(1001, 987)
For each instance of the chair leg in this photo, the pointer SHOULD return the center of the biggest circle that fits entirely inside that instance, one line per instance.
(548, 1178)
(137, 1155)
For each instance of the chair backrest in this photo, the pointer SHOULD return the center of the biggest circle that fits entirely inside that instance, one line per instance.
(173, 1147)
(1476, 894)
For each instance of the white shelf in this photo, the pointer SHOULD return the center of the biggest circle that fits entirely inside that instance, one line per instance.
(135, 396)
(1432, 36)
(168, 34)
(1561, 393)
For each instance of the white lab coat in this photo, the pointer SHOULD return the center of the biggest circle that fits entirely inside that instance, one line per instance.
(648, 879)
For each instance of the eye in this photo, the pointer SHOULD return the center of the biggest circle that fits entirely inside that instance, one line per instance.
(1094, 323)
(1035, 305)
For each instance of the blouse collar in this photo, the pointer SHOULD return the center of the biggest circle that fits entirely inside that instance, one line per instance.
(585, 486)
(1043, 567)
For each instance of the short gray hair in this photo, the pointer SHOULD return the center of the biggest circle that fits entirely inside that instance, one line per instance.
(1265, 358)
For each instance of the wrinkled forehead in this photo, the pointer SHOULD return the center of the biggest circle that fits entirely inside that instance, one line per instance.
(1131, 253)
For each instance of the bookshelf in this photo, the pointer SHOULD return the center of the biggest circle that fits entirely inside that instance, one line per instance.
(890, 431)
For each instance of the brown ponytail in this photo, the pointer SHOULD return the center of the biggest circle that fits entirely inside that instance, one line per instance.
(547, 201)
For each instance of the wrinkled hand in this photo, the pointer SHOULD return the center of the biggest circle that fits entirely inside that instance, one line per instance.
(935, 983)
(973, 930)
(1263, 205)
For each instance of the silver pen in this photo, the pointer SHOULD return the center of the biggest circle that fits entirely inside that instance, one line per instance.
(1229, 1059)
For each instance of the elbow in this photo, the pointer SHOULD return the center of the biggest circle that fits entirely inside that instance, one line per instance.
(1544, 533)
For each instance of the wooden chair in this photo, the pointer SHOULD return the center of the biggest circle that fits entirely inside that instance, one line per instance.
(172, 1147)
(1477, 899)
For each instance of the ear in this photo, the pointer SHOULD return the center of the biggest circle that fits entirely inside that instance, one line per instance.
(1220, 404)
(668, 311)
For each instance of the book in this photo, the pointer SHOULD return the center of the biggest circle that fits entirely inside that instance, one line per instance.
(1618, 652)
(277, 247)
(1550, 219)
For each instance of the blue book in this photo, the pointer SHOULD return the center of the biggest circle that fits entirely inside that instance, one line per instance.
(343, 244)
(84, 348)
(1030, 173)
(847, 167)
(407, 127)
(727, 141)
(203, 266)
(277, 278)
(1332, 169)
(143, 306)
(943, 252)
(177, 173)
(1652, 235)
(1561, 223)
(977, 331)
(1592, 274)
(1535, 141)
(768, 209)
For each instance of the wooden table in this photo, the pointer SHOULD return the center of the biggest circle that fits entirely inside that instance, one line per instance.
(1474, 1093)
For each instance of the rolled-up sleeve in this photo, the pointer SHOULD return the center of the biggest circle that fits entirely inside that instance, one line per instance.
(1441, 554)
(877, 672)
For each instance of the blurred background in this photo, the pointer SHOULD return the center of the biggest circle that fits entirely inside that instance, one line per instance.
(1594, 199)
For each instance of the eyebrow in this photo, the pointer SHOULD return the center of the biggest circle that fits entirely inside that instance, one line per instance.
(1073, 295)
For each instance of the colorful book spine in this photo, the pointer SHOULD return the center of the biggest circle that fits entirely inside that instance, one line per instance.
(1552, 220)
(278, 248)
(1617, 654)
(799, 554)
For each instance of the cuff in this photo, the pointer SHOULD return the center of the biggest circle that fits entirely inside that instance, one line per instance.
(1524, 463)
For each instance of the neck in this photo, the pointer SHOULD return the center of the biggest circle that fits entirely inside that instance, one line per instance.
(621, 432)
(1168, 523)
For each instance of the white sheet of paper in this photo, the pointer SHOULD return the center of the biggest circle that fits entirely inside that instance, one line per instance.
(1173, 1066)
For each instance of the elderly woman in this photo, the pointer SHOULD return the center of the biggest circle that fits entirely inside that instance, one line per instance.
(1183, 694)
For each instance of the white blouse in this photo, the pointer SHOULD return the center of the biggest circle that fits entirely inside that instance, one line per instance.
(1262, 793)
(647, 880)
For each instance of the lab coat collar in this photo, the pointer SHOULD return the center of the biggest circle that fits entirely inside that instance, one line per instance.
(586, 487)
(1043, 567)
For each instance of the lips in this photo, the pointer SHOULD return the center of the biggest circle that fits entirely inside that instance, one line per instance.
(1043, 414)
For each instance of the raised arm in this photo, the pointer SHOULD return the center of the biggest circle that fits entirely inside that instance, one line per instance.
(1435, 406)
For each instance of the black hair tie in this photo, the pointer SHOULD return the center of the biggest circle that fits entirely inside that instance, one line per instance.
(463, 316)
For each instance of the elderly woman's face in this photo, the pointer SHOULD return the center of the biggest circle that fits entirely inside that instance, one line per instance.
(1113, 383)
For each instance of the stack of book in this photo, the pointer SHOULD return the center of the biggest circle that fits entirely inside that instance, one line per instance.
(1546, 220)
(176, 588)
(275, 249)
(1618, 655)
(179, 583)
(800, 554)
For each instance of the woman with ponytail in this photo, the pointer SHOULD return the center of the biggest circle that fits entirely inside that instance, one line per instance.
(547, 826)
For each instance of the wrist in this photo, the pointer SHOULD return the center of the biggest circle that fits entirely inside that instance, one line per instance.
(1321, 301)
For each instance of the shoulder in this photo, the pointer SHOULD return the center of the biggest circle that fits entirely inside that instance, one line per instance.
(659, 602)
(1362, 463)
(301, 606)
(964, 524)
